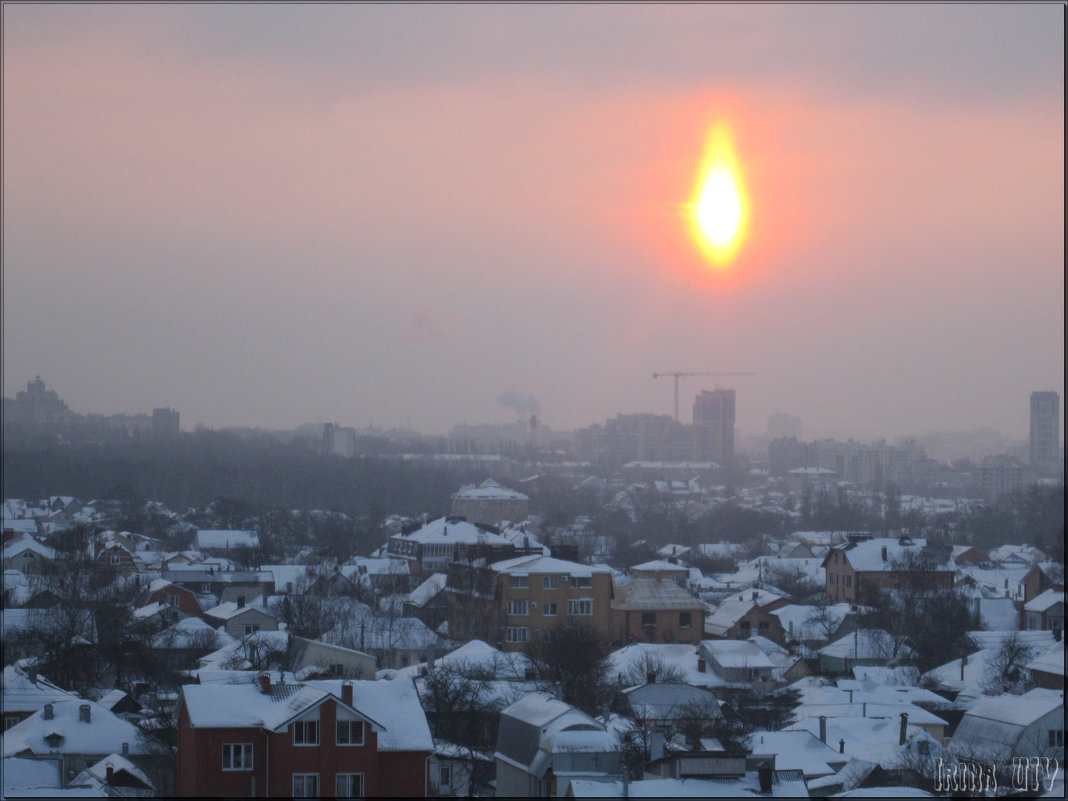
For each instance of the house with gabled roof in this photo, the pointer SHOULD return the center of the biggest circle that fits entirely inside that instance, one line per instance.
(1045, 611)
(741, 615)
(302, 739)
(999, 727)
(656, 610)
(26, 554)
(543, 744)
(857, 571)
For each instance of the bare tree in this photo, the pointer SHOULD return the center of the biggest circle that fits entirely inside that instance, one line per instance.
(650, 667)
(576, 660)
(1004, 670)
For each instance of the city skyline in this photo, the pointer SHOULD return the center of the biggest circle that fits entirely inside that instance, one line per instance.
(269, 215)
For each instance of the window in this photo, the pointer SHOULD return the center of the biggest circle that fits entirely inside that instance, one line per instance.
(744, 625)
(580, 606)
(114, 559)
(444, 776)
(518, 582)
(350, 732)
(684, 620)
(205, 588)
(834, 578)
(763, 625)
(172, 600)
(305, 785)
(336, 670)
(849, 581)
(517, 634)
(237, 756)
(518, 607)
(348, 785)
(252, 628)
(549, 610)
(1056, 738)
(583, 581)
(306, 732)
(548, 583)
(648, 618)
(9, 721)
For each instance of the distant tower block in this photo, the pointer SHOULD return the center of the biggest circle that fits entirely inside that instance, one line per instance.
(713, 419)
(1045, 427)
(164, 423)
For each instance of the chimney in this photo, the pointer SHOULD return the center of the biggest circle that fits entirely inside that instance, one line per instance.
(850, 695)
(700, 666)
(265, 682)
(650, 677)
(240, 601)
(864, 710)
(48, 712)
(884, 553)
(841, 746)
(110, 775)
(346, 693)
(83, 713)
(963, 662)
(755, 594)
(764, 774)
(904, 727)
(823, 728)
(125, 749)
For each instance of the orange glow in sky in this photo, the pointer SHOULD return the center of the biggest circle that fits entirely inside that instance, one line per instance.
(719, 211)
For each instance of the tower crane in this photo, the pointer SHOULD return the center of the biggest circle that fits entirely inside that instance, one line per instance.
(678, 375)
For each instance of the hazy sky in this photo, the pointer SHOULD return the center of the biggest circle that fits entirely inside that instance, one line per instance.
(275, 214)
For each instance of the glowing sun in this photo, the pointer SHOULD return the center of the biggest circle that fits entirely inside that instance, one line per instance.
(719, 210)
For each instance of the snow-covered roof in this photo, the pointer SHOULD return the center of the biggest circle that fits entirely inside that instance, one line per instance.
(488, 490)
(284, 574)
(1019, 710)
(800, 621)
(1049, 661)
(638, 657)
(28, 543)
(874, 739)
(22, 774)
(651, 593)
(524, 565)
(865, 644)
(1045, 601)
(661, 564)
(583, 741)
(734, 607)
(736, 654)
(796, 750)
(785, 784)
(452, 531)
(117, 763)
(994, 726)
(426, 591)
(867, 555)
(223, 538)
(104, 733)
(192, 632)
(231, 609)
(21, 694)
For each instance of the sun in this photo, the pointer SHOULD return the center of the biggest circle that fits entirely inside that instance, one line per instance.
(719, 210)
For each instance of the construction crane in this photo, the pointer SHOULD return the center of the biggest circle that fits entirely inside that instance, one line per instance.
(677, 376)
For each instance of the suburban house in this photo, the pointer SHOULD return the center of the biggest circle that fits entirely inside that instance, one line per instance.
(181, 598)
(657, 610)
(661, 569)
(429, 602)
(430, 548)
(738, 660)
(182, 644)
(489, 503)
(858, 570)
(543, 744)
(1040, 577)
(863, 647)
(526, 599)
(1002, 726)
(1047, 669)
(665, 706)
(77, 733)
(1045, 611)
(26, 692)
(302, 740)
(240, 618)
(741, 615)
(26, 554)
(337, 661)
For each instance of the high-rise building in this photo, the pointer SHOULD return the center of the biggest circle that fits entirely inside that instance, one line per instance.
(713, 421)
(1045, 427)
(164, 423)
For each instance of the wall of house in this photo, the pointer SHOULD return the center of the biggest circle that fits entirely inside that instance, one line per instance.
(538, 595)
(667, 627)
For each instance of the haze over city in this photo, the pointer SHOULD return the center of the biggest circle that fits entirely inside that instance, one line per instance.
(268, 215)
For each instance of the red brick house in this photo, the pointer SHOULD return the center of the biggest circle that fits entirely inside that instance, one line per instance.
(171, 594)
(328, 739)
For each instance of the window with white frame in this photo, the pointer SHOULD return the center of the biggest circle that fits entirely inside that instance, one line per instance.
(306, 732)
(237, 756)
(172, 599)
(444, 776)
(580, 606)
(518, 582)
(348, 785)
(549, 610)
(548, 583)
(350, 732)
(583, 581)
(114, 559)
(305, 785)
(518, 607)
(205, 588)
(1056, 738)
(252, 628)
(517, 634)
